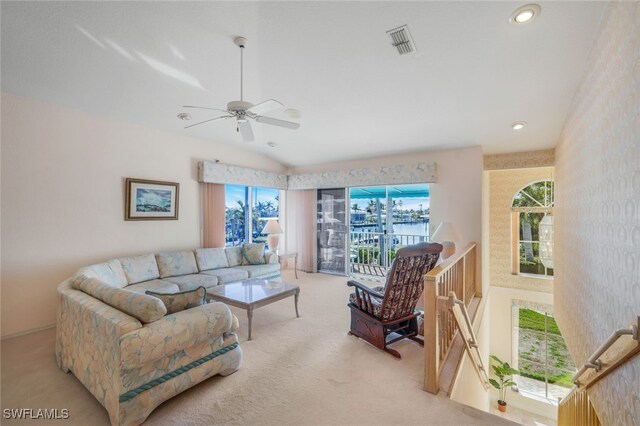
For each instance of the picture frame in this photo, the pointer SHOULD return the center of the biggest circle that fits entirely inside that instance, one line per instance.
(151, 199)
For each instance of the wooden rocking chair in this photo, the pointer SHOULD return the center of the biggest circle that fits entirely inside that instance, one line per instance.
(378, 312)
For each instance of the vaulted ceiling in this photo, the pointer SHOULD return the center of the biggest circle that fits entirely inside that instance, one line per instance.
(474, 73)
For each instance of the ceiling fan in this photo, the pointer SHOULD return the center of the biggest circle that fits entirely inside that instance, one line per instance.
(242, 110)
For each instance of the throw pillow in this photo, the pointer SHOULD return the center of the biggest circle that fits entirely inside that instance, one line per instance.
(253, 254)
(176, 302)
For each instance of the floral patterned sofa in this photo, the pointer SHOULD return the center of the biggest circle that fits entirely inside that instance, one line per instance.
(124, 348)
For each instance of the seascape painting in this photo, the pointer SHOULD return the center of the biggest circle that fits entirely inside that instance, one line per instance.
(151, 200)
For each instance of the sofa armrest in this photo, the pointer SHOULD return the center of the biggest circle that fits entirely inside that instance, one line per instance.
(175, 332)
(271, 257)
(88, 339)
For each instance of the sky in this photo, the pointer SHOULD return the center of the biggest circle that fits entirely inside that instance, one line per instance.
(235, 192)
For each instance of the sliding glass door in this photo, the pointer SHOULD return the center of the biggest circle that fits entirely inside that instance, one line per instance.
(383, 219)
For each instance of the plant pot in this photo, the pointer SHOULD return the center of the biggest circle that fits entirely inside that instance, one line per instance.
(502, 406)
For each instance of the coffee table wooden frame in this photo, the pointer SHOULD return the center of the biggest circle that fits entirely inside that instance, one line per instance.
(250, 306)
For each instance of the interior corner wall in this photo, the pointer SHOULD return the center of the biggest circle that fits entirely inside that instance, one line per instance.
(456, 197)
(63, 198)
(597, 213)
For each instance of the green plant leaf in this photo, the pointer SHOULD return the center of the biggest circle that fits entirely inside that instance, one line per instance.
(513, 371)
(494, 384)
(495, 358)
(497, 370)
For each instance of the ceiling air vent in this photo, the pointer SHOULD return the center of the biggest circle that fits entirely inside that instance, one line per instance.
(401, 40)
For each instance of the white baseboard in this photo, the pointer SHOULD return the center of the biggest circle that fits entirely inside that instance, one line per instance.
(31, 331)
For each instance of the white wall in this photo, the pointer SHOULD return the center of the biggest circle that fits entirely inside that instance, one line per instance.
(457, 197)
(63, 198)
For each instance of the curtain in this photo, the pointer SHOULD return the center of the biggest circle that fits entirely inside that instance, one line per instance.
(213, 215)
(301, 208)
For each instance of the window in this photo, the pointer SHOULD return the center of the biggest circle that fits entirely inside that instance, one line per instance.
(542, 356)
(532, 244)
(244, 202)
(265, 205)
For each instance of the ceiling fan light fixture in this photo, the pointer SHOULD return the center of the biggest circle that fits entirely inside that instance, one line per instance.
(525, 14)
(184, 116)
(518, 125)
(242, 110)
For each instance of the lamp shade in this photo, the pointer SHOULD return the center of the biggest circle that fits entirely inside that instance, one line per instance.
(272, 227)
(445, 232)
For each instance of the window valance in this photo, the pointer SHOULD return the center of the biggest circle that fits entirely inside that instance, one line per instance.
(210, 172)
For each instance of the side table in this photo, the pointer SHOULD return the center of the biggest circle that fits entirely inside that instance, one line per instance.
(290, 255)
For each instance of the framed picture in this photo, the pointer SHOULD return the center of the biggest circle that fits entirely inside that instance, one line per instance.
(151, 200)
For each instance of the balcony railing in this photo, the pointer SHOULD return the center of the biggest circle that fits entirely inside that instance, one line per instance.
(373, 252)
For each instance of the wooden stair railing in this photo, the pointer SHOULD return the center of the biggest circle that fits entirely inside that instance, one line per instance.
(576, 408)
(456, 274)
(463, 321)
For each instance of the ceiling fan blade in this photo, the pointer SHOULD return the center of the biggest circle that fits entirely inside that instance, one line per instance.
(245, 131)
(211, 109)
(207, 121)
(265, 106)
(276, 122)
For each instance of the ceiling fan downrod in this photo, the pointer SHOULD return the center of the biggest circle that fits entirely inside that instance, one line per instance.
(241, 42)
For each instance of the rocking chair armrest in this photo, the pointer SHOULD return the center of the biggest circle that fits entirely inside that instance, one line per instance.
(364, 288)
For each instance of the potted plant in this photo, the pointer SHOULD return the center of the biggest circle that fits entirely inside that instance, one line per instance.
(504, 373)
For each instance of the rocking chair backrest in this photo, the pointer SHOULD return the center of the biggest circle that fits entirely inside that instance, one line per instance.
(406, 279)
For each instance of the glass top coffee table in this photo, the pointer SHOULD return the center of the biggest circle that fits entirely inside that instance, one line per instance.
(253, 293)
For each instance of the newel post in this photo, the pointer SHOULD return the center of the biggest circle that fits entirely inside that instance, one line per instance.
(431, 338)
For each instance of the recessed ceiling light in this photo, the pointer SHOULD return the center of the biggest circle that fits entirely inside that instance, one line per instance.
(518, 125)
(272, 144)
(525, 14)
(185, 116)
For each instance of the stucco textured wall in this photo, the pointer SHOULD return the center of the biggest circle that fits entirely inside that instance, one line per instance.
(597, 286)
(503, 185)
(519, 160)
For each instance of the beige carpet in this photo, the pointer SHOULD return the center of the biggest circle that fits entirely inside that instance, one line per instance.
(303, 370)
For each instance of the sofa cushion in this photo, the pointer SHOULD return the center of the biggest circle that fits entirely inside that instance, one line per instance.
(176, 302)
(253, 254)
(161, 286)
(144, 308)
(173, 333)
(228, 275)
(234, 256)
(140, 268)
(193, 281)
(258, 271)
(176, 263)
(211, 258)
(109, 272)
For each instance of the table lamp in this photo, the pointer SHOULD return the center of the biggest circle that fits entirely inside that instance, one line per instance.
(446, 235)
(273, 231)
